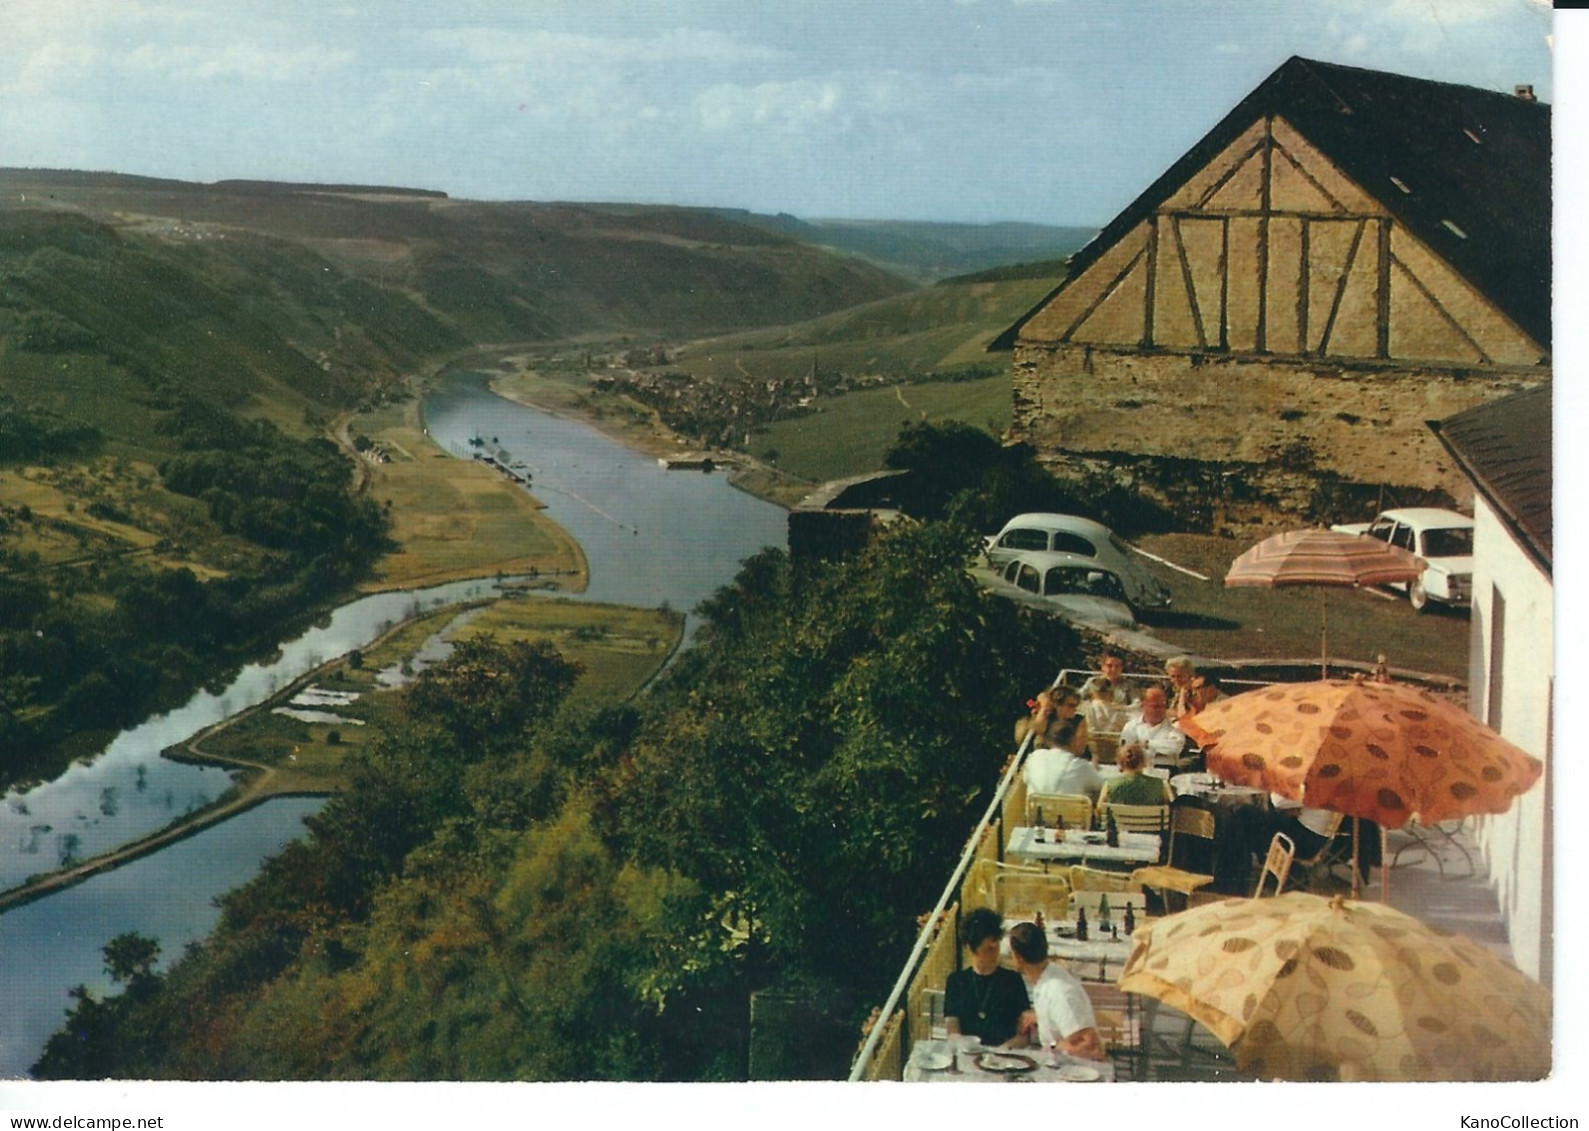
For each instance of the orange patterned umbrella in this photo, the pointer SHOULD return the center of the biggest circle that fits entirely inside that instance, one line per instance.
(1306, 988)
(1386, 752)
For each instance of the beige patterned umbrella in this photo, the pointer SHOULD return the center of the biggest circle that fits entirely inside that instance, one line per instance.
(1306, 988)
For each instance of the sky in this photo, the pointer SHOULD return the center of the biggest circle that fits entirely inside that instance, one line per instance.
(1048, 111)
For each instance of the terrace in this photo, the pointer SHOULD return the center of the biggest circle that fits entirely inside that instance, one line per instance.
(1435, 875)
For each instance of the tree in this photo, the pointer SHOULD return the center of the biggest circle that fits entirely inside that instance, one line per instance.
(129, 957)
(819, 757)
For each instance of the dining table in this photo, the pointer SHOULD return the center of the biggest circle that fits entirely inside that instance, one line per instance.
(965, 1060)
(1107, 945)
(1082, 846)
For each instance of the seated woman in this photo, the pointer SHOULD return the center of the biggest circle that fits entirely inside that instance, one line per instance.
(1133, 787)
(985, 1000)
(1060, 769)
(1052, 707)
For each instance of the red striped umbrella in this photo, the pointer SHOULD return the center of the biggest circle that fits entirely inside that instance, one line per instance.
(1323, 557)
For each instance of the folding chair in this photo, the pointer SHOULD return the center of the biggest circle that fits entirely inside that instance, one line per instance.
(1277, 863)
(1311, 873)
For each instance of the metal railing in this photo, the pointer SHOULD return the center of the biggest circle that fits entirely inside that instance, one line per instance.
(985, 841)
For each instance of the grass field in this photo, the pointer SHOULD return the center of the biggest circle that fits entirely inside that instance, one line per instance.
(850, 433)
(620, 649)
(1230, 624)
(456, 518)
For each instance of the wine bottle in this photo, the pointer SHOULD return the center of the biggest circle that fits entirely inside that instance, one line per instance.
(1111, 835)
(1081, 924)
(1131, 918)
(1103, 910)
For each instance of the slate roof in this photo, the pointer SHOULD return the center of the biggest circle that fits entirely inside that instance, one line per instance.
(1505, 448)
(1476, 158)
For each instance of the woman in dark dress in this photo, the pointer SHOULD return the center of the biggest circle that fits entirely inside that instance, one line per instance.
(985, 1000)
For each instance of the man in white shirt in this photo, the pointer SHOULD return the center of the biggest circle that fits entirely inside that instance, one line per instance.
(1061, 1011)
(1153, 731)
(1059, 769)
(1111, 668)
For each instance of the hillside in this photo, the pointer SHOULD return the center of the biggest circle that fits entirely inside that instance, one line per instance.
(925, 251)
(817, 399)
(173, 357)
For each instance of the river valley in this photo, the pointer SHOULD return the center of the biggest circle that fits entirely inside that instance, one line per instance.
(650, 536)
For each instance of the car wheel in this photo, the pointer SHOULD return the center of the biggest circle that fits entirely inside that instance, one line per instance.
(1416, 597)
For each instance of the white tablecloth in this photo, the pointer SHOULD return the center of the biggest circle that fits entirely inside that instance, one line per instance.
(1051, 1066)
(1207, 785)
(1083, 847)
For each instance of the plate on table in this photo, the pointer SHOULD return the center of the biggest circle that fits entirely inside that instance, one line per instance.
(1093, 838)
(1005, 1062)
(935, 1061)
(1077, 1073)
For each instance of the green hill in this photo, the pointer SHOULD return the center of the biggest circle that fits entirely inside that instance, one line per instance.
(172, 355)
(824, 398)
(927, 251)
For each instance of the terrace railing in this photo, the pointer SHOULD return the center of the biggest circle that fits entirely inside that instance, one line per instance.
(935, 954)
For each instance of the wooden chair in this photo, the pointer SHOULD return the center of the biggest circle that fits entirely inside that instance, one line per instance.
(979, 887)
(1119, 1019)
(1020, 895)
(1136, 818)
(1186, 821)
(1083, 878)
(1074, 808)
(1276, 863)
(1104, 745)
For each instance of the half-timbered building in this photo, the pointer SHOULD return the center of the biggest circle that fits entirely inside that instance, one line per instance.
(1345, 256)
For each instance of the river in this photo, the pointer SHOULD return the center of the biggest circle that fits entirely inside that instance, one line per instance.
(650, 537)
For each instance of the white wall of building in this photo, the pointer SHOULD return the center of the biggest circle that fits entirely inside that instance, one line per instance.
(1512, 596)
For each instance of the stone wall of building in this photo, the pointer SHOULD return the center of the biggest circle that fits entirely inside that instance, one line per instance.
(1275, 424)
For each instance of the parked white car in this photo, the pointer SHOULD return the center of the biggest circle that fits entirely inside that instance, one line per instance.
(1071, 534)
(1440, 537)
(1076, 587)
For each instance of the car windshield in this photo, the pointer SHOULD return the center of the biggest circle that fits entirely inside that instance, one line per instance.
(1093, 582)
(1448, 542)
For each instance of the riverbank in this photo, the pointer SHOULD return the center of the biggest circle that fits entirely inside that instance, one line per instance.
(452, 518)
(516, 374)
(621, 651)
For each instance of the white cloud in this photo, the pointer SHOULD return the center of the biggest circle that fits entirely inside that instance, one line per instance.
(791, 106)
(681, 45)
(249, 61)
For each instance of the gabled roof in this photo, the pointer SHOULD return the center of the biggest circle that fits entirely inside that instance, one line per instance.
(1477, 159)
(1505, 448)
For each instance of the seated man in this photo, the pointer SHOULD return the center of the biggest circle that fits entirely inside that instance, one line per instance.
(1180, 672)
(1112, 669)
(1153, 731)
(1060, 769)
(1205, 690)
(985, 1000)
(1061, 1011)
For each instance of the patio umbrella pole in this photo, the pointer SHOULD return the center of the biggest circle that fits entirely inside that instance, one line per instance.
(1324, 634)
(1356, 884)
(1384, 865)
